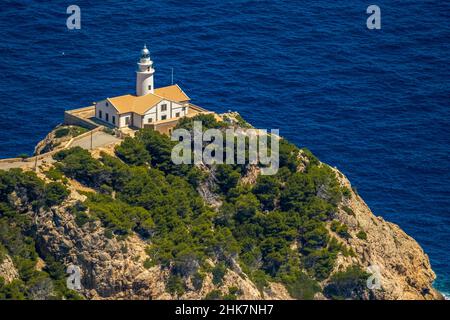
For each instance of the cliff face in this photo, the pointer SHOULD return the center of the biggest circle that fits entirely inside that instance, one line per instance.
(404, 267)
(114, 269)
(7, 269)
(59, 136)
(117, 267)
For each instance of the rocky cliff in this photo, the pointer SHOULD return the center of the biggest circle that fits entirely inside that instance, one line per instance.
(404, 268)
(115, 267)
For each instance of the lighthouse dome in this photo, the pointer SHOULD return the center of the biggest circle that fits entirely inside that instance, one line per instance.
(145, 53)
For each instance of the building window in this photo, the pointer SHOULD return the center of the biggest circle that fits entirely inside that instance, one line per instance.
(106, 103)
(114, 119)
(150, 87)
(177, 114)
(100, 114)
(164, 107)
(184, 109)
(106, 117)
(163, 117)
(149, 120)
(127, 120)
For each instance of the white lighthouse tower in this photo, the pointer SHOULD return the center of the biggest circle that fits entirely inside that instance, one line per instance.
(144, 74)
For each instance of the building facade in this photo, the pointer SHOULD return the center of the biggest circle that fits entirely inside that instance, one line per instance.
(149, 106)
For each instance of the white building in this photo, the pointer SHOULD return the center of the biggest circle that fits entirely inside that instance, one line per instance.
(150, 106)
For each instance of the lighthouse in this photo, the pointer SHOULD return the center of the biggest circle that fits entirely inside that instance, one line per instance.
(144, 74)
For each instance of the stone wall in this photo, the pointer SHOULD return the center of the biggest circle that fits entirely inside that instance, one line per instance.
(81, 117)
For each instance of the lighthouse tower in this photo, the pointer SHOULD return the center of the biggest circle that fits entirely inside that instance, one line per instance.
(144, 74)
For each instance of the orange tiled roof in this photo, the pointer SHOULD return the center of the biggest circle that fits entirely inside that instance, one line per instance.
(141, 104)
(172, 92)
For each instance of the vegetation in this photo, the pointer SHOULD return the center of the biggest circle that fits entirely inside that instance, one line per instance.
(208, 122)
(340, 229)
(348, 210)
(348, 284)
(362, 235)
(72, 131)
(346, 192)
(276, 229)
(214, 295)
(62, 132)
(218, 273)
(17, 237)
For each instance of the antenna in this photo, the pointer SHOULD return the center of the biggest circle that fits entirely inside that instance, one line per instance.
(172, 76)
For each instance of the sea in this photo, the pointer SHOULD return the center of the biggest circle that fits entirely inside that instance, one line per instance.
(375, 103)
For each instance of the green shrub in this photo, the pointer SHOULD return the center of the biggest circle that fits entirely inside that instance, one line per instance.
(208, 122)
(362, 235)
(17, 238)
(3, 253)
(234, 291)
(77, 130)
(26, 185)
(260, 279)
(62, 132)
(301, 286)
(78, 164)
(340, 229)
(133, 152)
(301, 188)
(54, 174)
(348, 210)
(55, 193)
(346, 192)
(213, 295)
(319, 263)
(197, 280)
(16, 290)
(81, 217)
(105, 189)
(288, 155)
(227, 178)
(108, 233)
(218, 273)
(175, 285)
(148, 263)
(348, 284)
(267, 190)
(246, 207)
(118, 216)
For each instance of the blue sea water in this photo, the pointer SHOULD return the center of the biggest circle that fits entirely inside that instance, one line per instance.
(374, 103)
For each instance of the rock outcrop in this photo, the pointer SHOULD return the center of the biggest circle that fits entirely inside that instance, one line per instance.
(114, 269)
(7, 269)
(59, 136)
(404, 268)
